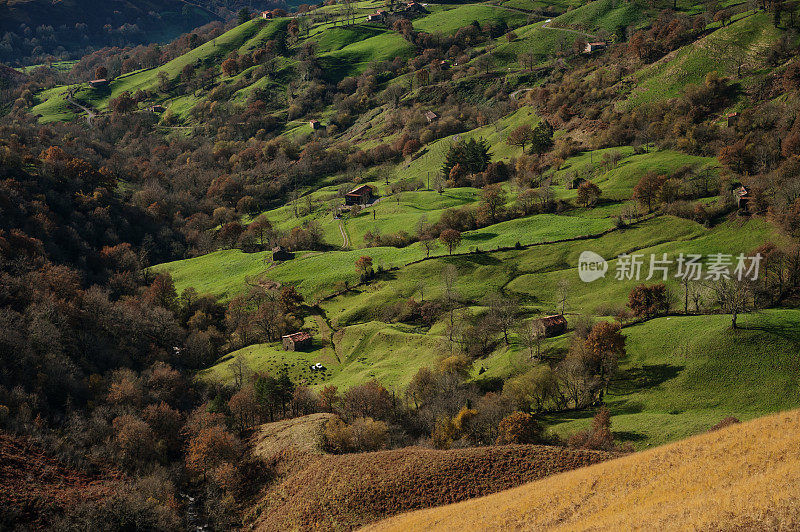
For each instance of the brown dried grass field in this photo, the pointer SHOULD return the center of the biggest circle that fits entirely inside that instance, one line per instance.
(744, 477)
(344, 492)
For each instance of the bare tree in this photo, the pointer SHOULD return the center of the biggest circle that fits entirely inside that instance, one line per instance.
(449, 277)
(241, 371)
(732, 296)
(532, 334)
(562, 293)
(504, 311)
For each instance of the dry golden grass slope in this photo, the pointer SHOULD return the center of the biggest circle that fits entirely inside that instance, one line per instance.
(301, 434)
(744, 477)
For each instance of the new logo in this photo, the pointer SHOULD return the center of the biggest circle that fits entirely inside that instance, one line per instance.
(591, 266)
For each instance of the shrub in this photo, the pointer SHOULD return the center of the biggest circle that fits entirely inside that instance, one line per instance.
(726, 422)
(364, 434)
(519, 427)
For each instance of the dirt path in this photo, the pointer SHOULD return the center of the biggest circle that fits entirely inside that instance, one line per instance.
(326, 331)
(89, 113)
(345, 238)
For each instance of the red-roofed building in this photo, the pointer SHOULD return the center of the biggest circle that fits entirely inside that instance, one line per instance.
(359, 196)
(554, 325)
(296, 341)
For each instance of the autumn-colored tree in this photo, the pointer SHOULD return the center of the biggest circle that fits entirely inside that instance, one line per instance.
(649, 301)
(364, 266)
(124, 103)
(369, 434)
(647, 189)
(411, 146)
(165, 383)
(134, 441)
(450, 238)
(588, 194)
(230, 67)
(262, 229)
(125, 389)
(368, 400)
(244, 407)
(464, 423)
(520, 136)
(162, 292)
(519, 427)
(166, 423)
(328, 398)
(290, 299)
(336, 436)
(604, 346)
(304, 401)
(100, 72)
(209, 448)
(444, 433)
(493, 199)
(599, 436)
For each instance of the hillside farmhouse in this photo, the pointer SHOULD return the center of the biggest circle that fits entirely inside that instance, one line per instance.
(359, 196)
(594, 46)
(553, 325)
(281, 253)
(98, 83)
(296, 341)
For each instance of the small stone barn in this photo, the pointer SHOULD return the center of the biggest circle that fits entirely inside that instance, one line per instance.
(281, 253)
(554, 325)
(98, 83)
(594, 46)
(315, 124)
(359, 196)
(430, 116)
(296, 341)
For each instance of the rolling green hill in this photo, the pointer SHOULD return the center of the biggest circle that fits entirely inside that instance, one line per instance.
(356, 333)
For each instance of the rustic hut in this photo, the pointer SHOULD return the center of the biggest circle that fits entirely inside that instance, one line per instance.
(359, 195)
(296, 341)
(554, 325)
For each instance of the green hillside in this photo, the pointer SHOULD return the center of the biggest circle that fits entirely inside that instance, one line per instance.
(683, 374)
(371, 84)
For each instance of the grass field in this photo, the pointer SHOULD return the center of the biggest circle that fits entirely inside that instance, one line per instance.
(617, 183)
(743, 477)
(743, 42)
(685, 373)
(450, 20)
(51, 105)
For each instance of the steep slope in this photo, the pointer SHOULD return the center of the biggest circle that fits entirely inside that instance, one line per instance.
(346, 491)
(743, 477)
(34, 485)
(73, 25)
